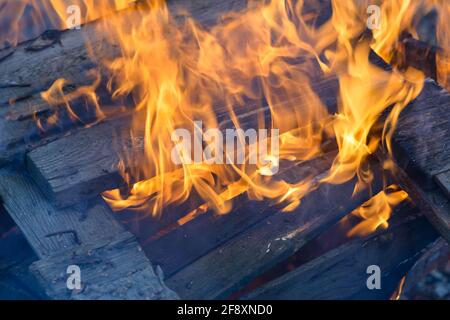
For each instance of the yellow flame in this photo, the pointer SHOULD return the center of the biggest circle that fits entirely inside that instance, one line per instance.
(56, 96)
(179, 72)
(377, 211)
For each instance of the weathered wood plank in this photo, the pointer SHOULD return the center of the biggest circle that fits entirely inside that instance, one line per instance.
(115, 269)
(80, 166)
(433, 202)
(343, 271)
(423, 135)
(188, 242)
(421, 150)
(231, 266)
(204, 12)
(49, 230)
(429, 277)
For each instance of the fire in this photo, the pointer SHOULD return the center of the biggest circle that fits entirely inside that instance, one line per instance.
(179, 73)
(398, 292)
(377, 211)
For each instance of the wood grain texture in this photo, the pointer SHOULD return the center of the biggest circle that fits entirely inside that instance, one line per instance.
(110, 270)
(40, 222)
(341, 273)
(232, 265)
(423, 135)
(83, 164)
(69, 183)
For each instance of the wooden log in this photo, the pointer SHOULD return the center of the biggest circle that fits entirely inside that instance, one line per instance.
(189, 241)
(343, 271)
(232, 265)
(115, 269)
(429, 278)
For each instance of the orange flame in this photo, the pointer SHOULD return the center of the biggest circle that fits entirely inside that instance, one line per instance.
(377, 211)
(179, 72)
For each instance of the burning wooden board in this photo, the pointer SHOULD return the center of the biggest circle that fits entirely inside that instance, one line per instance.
(85, 163)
